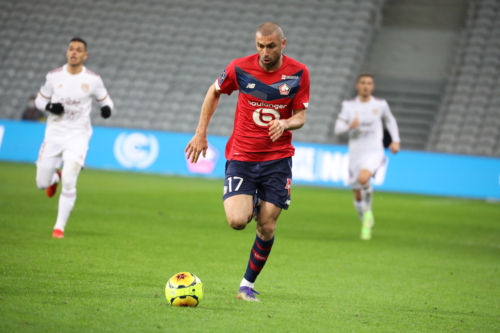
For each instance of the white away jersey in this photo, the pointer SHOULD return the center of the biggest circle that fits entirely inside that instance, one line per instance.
(367, 137)
(75, 92)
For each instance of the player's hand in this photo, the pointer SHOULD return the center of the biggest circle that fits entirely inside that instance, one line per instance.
(105, 112)
(394, 147)
(354, 124)
(55, 108)
(276, 128)
(197, 146)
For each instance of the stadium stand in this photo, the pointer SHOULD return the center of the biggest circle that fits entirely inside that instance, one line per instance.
(411, 58)
(157, 58)
(468, 121)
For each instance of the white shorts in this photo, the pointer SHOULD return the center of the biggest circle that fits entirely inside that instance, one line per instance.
(53, 153)
(368, 161)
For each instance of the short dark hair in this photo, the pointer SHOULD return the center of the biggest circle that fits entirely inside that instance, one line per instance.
(78, 39)
(365, 75)
(269, 28)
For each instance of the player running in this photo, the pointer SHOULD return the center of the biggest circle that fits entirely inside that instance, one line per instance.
(362, 117)
(67, 94)
(272, 101)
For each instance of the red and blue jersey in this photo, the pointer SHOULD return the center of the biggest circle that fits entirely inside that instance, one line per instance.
(263, 97)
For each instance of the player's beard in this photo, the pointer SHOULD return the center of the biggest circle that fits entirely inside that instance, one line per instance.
(272, 63)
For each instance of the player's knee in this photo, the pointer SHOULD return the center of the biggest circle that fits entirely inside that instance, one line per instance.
(42, 182)
(70, 175)
(68, 181)
(363, 179)
(267, 229)
(237, 223)
(68, 185)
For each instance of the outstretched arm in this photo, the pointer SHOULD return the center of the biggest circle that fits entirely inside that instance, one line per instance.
(44, 95)
(345, 121)
(277, 127)
(199, 143)
(342, 126)
(107, 106)
(392, 127)
(41, 101)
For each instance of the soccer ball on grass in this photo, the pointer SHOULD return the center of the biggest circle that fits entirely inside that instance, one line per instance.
(184, 289)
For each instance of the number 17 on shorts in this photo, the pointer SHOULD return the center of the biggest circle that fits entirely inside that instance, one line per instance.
(233, 184)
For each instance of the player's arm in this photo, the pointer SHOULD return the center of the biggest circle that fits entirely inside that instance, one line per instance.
(102, 97)
(107, 106)
(199, 143)
(42, 100)
(277, 127)
(342, 124)
(392, 126)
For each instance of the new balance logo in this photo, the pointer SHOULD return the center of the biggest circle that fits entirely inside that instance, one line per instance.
(251, 85)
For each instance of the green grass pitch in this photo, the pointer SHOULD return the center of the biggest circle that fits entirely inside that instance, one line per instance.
(432, 266)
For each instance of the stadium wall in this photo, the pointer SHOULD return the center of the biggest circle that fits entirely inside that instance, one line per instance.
(314, 164)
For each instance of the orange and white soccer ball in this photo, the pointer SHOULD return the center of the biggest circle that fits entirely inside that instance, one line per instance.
(184, 289)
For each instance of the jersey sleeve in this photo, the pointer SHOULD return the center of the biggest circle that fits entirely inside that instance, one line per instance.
(344, 112)
(100, 92)
(342, 123)
(47, 89)
(227, 82)
(301, 99)
(390, 123)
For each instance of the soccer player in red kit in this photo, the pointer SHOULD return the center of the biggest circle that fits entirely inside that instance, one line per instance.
(272, 101)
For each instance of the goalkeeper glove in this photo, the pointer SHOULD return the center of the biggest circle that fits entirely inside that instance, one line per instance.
(55, 108)
(105, 112)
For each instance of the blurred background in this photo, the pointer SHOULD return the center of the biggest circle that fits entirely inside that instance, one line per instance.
(435, 61)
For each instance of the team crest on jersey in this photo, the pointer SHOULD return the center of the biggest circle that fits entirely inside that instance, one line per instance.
(375, 111)
(284, 89)
(85, 87)
(222, 77)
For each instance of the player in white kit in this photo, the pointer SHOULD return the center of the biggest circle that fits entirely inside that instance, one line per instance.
(67, 94)
(362, 118)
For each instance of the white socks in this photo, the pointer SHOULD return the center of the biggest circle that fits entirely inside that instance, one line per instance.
(245, 283)
(366, 201)
(66, 202)
(359, 208)
(366, 197)
(55, 178)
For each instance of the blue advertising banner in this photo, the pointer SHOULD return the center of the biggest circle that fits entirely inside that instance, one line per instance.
(407, 171)
(313, 164)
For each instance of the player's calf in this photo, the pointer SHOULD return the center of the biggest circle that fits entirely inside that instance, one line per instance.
(268, 216)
